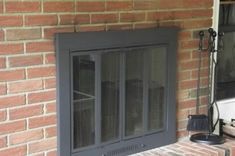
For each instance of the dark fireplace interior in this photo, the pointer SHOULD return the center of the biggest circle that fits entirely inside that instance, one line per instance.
(116, 91)
(226, 64)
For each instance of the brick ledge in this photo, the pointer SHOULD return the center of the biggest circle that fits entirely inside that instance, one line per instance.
(188, 148)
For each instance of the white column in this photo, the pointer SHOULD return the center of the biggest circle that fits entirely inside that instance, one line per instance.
(215, 25)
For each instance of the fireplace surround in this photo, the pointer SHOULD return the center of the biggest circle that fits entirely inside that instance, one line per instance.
(116, 91)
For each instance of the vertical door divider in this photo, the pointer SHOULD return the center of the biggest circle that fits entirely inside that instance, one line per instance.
(122, 94)
(71, 101)
(145, 92)
(98, 98)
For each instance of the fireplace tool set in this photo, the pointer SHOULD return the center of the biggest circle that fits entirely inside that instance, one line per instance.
(202, 122)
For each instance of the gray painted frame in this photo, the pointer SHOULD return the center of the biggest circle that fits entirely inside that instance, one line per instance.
(67, 43)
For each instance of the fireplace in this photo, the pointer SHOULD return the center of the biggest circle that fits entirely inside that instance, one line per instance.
(116, 91)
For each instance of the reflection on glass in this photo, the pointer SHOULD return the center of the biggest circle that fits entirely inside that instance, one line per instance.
(157, 76)
(227, 14)
(134, 93)
(110, 73)
(143, 78)
(226, 68)
(84, 100)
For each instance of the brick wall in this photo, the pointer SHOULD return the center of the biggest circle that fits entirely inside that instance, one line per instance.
(27, 61)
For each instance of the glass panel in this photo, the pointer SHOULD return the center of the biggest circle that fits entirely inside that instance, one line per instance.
(157, 77)
(227, 14)
(110, 96)
(134, 93)
(226, 68)
(84, 100)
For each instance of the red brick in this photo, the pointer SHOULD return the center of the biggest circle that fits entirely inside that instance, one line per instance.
(51, 131)
(193, 13)
(187, 84)
(51, 107)
(12, 75)
(189, 65)
(104, 18)
(41, 96)
(189, 44)
(204, 82)
(185, 35)
(118, 5)
(44, 46)
(7, 49)
(145, 5)
(145, 25)
(22, 7)
(205, 62)
(24, 112)
(14, 151)
(184, 56)
(90, 6)
(22, 61)
(3, 142)
(169, 4)
(3, 89)
(52, 153)
(171, 23)
(11, 21)
(166, 15)
(207, 150)
(50, 32)
(182, 124)
(2, 63)
(42, 146)
(39, 154)
(12, 127)
(58, 6)
(188, 149)
(132, 17)
(213, 152)
(182, 133)
(196, 24)
(180, 14)
(74, 19)
(3, 115)
(91, 28)
(50, 83)
(187, 104)
(26, 136)
(195, 4)
(23, 34)
(182, 114)
(204, 102)
(41, 72)
(203, 73)
(1, 6)
(41, 20)
(2, 34)
(50, 58)
(11, 101)
(219, 151)
(42, 121)
(182, 95)
(119, 27)
(195, 55)
(184, 75)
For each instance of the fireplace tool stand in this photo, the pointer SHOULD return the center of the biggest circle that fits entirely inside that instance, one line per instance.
(209, 137)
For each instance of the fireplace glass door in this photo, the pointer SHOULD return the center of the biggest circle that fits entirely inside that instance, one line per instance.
(118, 94)
(116, 91)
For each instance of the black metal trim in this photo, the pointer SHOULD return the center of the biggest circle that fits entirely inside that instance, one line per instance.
(207, 138)
(67, 43)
